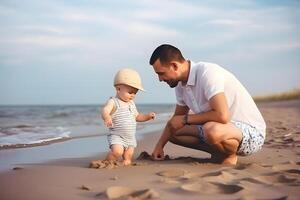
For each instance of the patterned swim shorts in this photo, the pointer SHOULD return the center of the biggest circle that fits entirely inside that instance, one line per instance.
(252, 139)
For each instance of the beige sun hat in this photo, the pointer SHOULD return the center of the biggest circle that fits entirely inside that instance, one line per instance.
(128, 77)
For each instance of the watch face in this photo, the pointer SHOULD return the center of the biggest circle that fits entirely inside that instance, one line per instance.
(185, 119)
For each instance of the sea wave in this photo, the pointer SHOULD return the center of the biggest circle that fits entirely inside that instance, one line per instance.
(28, 135)
(60, 115)
(34, 125)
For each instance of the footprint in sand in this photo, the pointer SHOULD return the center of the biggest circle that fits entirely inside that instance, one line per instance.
(121, 192)
(251, 168)
(219, 177)
(285, 166)
(256, 190)
(278, 179)
(172, 173)
(211, 188)
(169, 181)
(189, 176)
(115, 192)
(293, 171)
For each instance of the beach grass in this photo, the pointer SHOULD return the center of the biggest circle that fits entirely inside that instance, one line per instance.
(289, 95)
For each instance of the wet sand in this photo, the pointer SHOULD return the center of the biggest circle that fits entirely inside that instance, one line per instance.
(272, 173)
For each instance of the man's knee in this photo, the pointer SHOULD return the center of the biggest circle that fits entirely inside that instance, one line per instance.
(211, 132)
(171, 125)
(173, 139)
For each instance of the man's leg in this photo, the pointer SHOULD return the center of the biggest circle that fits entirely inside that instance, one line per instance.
(222, 140)
(188, 137)
(225, 138)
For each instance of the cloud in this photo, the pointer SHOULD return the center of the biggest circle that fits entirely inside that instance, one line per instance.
(6, 11)
(48, 41)
(110, 34)
(164, 10)
(120, 23)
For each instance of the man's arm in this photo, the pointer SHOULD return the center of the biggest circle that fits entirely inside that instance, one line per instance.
(219, 113)
(158, 153)
(179, 110)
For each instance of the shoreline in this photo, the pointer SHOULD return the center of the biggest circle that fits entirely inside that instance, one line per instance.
(94, 130)
(272, 173)
(89, 145)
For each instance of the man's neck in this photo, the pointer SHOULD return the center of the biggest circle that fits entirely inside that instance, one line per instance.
(186, 71)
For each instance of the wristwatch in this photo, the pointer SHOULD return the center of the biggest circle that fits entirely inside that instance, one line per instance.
(185, 119)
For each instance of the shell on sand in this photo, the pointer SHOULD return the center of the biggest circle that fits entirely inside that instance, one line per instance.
(171, 173)
(115, 192)
(84, 187)
(17, 168)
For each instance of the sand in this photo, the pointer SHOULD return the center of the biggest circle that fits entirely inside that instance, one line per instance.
(272, 173)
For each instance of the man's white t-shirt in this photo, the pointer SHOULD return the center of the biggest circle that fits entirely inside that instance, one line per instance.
(208, 79)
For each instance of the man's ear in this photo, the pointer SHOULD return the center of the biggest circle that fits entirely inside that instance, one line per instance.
(174, 65)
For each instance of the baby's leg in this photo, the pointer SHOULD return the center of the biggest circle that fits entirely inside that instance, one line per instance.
(127, 156)
(116, 151)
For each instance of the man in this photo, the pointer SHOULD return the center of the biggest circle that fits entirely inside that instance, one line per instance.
(214, 112)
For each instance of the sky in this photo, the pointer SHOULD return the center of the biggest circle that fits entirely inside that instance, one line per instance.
(67, 52)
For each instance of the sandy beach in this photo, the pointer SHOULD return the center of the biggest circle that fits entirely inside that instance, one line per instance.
(272, 173)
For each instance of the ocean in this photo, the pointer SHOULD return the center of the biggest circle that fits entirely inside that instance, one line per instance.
(23, 126)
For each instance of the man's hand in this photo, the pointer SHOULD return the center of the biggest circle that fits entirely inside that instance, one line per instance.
(158, 153)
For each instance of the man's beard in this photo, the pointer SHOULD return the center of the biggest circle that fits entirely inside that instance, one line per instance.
(172, 83)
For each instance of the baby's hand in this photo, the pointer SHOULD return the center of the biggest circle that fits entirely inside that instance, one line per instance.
(108, 122)
(151, 115)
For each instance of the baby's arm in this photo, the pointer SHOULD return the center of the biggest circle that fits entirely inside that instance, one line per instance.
(145, 117)
(106, 111)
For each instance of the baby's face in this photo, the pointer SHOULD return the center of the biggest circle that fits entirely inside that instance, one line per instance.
(126, 93)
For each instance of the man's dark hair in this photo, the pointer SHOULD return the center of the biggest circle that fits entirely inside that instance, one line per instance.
(166, 53)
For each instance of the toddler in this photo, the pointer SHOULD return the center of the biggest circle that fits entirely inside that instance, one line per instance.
(120, 115)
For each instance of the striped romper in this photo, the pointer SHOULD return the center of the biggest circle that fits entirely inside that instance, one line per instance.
(124, 125)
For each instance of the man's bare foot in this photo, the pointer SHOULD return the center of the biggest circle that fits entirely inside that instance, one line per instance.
(126, 162)
(230, 160)
(225, 159)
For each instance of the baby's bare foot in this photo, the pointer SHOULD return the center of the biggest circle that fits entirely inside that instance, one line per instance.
(127, 162)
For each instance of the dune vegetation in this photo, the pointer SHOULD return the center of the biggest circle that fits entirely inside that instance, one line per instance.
(292, 94)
